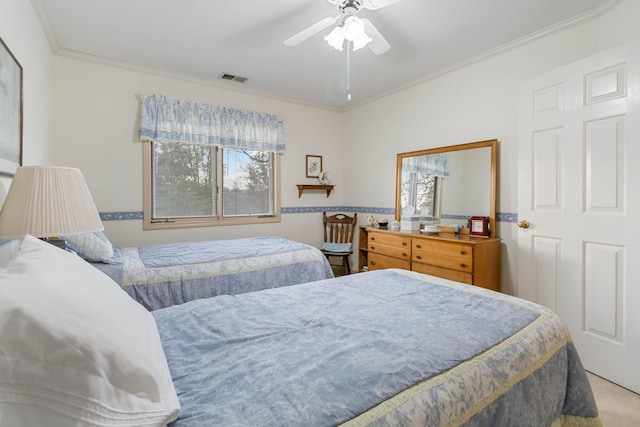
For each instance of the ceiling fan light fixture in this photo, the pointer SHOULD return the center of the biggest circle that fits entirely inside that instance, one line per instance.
(361, 41)
(354, 31)
(353, 28)
(335, 38)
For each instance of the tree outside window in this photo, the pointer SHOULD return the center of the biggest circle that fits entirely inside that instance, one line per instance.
(190, 182)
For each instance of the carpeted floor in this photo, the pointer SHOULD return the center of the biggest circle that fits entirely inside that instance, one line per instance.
(618, 407)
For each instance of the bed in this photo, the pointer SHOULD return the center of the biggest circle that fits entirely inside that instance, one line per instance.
(159, 276)
(387, 347)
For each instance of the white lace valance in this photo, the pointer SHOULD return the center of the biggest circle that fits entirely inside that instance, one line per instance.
(164, 119)
(432, 164)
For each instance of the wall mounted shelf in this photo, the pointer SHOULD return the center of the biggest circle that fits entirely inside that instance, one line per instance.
(303, 187)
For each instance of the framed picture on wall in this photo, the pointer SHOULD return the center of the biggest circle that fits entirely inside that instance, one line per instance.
(314, 166)
(10, 112)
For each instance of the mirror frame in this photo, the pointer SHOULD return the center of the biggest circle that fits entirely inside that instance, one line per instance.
(491, 143)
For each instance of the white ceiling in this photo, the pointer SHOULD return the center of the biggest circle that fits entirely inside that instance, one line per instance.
(203, 39)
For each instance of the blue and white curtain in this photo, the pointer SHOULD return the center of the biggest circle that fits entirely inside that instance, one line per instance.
(164, 119)
(432, 164)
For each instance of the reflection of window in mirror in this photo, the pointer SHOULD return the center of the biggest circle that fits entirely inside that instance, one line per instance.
(422, 180)
(422, 192)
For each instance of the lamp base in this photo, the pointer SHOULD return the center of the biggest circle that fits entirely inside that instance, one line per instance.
(59, 243)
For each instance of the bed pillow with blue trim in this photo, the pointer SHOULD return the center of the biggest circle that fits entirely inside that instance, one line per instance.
(336, 247)
(91, 246)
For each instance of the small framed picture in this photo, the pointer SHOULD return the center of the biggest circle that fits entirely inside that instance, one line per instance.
(10, 112)
(314, 166)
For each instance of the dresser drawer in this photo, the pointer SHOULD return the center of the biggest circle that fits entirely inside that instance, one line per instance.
(458, 276)
(379, 262)
(402, 253)
(390, 240)
(439, 260)
(452, 249)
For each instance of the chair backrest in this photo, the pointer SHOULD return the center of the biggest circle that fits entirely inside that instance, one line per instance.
(339, 228)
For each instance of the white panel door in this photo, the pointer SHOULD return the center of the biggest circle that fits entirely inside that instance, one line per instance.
(579, 195)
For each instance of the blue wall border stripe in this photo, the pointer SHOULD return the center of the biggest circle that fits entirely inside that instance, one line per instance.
(120, 216)
(126, 216)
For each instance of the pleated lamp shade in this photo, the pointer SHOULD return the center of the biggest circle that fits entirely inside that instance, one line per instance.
(47, 201)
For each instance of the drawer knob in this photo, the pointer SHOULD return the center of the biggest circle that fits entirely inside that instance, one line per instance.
(373, 248)
(372, 238)
(418, 257)
(373, 263)
(462, 265)
(462, 252)
(404, 243)
(419, 246)
(404, 254)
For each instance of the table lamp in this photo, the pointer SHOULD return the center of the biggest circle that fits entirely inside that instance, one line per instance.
(48, 202)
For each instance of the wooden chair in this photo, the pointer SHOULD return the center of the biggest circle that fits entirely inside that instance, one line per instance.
(338, 237)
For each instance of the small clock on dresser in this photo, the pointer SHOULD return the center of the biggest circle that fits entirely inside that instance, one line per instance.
(479, 226)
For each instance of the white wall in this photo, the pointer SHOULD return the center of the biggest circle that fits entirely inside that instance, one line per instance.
(95, 114)
(21, 32)
(473, 103)
(96, 130)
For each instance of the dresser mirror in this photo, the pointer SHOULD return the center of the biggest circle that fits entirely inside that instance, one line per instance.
(448, 185)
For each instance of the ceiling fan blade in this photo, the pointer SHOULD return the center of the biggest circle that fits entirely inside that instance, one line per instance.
(310, 31)
(377, 4)
(379, 44)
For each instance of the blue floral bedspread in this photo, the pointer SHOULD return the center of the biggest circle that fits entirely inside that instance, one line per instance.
(163, 275)
(387, 347)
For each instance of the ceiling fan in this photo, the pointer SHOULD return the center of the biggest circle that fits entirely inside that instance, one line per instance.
(359, 31)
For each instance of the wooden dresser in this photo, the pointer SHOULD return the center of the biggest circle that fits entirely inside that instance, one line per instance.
(472, 260)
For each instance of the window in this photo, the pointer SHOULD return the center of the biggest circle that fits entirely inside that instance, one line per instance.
(422, 191)
(205, 165)
(194, 185)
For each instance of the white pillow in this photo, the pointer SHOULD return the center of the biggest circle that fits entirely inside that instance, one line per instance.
(75, 349)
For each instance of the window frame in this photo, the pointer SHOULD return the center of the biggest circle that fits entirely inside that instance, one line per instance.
(193, 222)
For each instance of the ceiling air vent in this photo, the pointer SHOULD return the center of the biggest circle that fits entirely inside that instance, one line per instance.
(225, 76)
